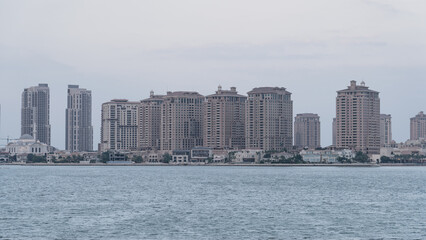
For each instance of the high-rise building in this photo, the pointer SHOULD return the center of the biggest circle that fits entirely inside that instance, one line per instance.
(181, 121)
(334, 126)
(35, 113)
(418, 126)
(385, 130)
(120, 130)
(224, 118)
(78, 120)
(150, 122)
(358, 119)
(269, 119)
(307, 130)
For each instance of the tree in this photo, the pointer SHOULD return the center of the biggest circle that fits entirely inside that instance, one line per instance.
(31, 158)
(105, 157)
(361, 157)
(166, 158)
(137, 159)
(384, 159)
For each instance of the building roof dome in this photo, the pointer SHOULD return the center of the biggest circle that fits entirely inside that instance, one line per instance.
(26, 137)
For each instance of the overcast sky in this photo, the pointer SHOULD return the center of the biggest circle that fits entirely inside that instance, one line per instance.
(124, 49)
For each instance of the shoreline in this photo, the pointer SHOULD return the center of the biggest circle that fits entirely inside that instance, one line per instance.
(217, 165)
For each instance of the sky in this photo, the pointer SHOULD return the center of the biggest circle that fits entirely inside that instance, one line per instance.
(126, 48)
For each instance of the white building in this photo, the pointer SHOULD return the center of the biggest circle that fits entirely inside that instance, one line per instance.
(248, 156)
(325, 156)
(27, 145)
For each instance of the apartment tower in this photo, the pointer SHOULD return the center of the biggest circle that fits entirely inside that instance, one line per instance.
(224, 119)
(78, 120)
(358, 119)
(385, 130)
(120, 130)
(307, 130)
(181, 121)
(269, 119)
(150, 122)
(418, 126)
(35, 113)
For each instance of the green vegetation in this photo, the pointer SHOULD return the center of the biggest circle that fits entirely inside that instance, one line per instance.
(105, 157)
(361, 157)
(166, 158)
(409, 158)
(137, 159)
(31, 158)
(296, 159)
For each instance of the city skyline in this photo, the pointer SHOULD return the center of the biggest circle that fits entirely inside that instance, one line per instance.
(95, 138)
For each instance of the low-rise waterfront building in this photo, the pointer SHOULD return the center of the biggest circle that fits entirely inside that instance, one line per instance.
(27, 145)
(325, 156)
(248, 156)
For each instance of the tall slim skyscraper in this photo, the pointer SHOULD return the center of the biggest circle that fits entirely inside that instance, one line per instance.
(35, 113)
(78, 120)
(307, 130)
(150, 122)
(224, 119)
(418, 126)
(182, 121)
(358, 119)
(269, 119)
(385, 130)
(120, 129)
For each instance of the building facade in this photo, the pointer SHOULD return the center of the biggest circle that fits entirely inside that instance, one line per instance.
(307, 130)
(334, 131)
(385, 130)
(418, 126)
(35, 113)
(269, 119)
(78, 120)
(181, 121)
(120, 130)
(224, 118)
(150, 122)
(358, 119)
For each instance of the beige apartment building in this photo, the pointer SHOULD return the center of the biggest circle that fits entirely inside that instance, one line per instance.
(224, 120)
(120, 129)
(385, 130)
(269, 119)
(150, 122)
(358, 119)
(181, 121)
(418, 126)
(307, 130)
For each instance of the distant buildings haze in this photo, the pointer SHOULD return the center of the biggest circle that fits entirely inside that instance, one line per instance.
(385, 130)
(307, 130)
